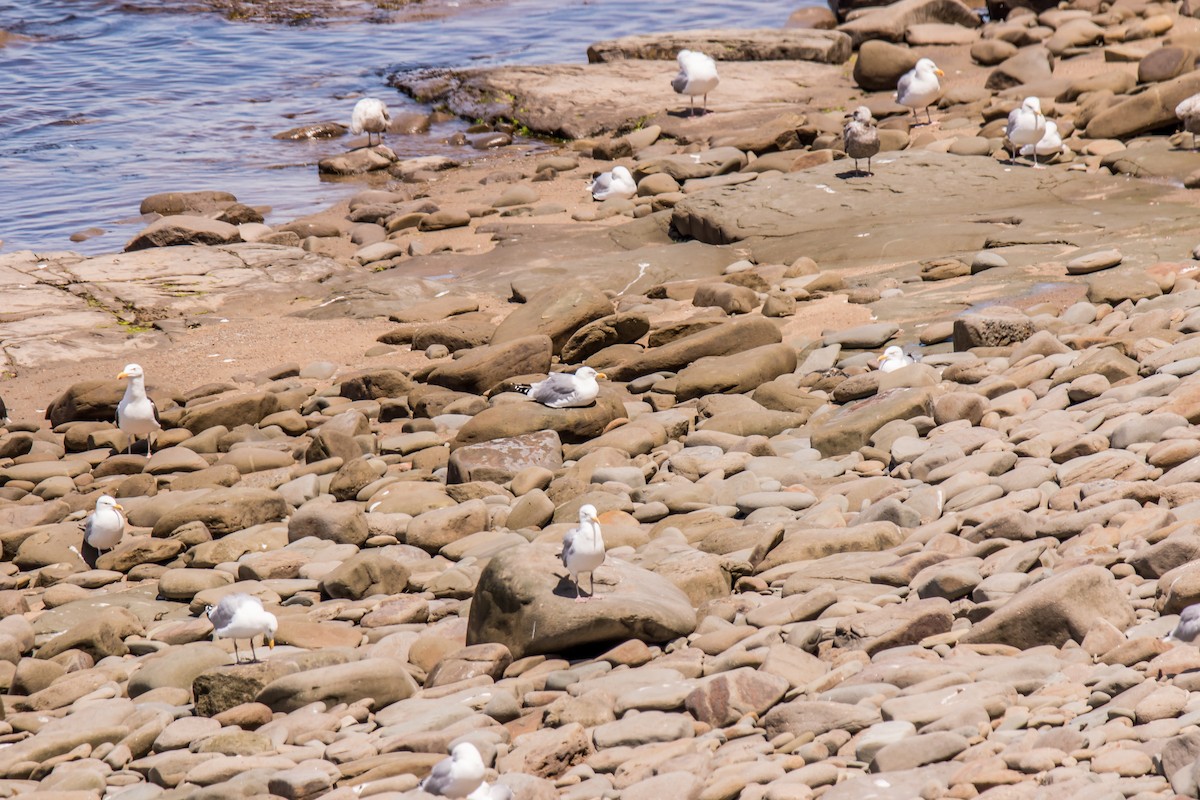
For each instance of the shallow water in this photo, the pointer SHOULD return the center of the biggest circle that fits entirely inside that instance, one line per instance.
(104, 107)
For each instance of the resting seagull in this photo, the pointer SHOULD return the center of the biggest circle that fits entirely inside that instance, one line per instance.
(370, 115)
(1050, 144)
(860, 137)
(458, 775)
(136, 413)
(893, 359)
(618, 183)
(583, 550)
(697, 75)
(920, 87)
(242, 616)
(564, 390)
(1026, 125)
(1188, 628)
(106, 525)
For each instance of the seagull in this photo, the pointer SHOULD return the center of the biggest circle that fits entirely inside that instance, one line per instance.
(242, 616)
(618, 183)
(920, 87)
(456, 776)
(1026, 125)
(136, 413)
(564, 390)
(1188, 628)
(583, 549)
(1049, 145)
(697, 75)
(370, 115)
(1189, 112)
(105, 527)
(893, 359)
(487, 791)
(861, 137)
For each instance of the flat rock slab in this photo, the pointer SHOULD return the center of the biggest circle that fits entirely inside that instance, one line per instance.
(621, 93)
(827, 47)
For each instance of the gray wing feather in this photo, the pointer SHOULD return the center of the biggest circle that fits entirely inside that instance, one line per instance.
(569, 545)
(902, 87)
(87, 528)
(222, 615)
(557, 388)
(435, 782)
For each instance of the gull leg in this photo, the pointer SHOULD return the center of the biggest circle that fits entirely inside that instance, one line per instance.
(868, 166)
(928, 118)
(691, 105)
(237, 657)
(578, 597)
(253, 655)
(706, 102)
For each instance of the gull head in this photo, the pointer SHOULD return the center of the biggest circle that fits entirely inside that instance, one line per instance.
(862, 114)
(465, 751)
(587, 513)
(891, 354)
(587, 373)
(272, 626)
(622, 173)
(926, 65)
(106, 501)
(1032, 104)
(132, 371)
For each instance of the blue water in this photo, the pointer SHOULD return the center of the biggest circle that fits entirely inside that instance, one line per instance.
(103, 107)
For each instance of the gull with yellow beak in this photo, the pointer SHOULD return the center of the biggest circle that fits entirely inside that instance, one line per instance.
(136, 413)
(920, 88)
(893, 359)
(242, 616)
(564, 390)
(105, 527)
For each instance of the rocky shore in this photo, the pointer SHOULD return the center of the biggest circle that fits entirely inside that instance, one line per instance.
(822, 580)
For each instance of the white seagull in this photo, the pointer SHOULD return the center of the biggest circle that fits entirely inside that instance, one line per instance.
(1049, 145)
(458, 775)
(487, 791)
(1188, 112)
(697, 75)
(105, 527)
(1026, 125)
(920, 87)
(564, 390)
(136, 413)
(893, 359)
(860, 137)
(370, 115)
(1188, 628)
(583, 549)
(242, 616)
(618, 183)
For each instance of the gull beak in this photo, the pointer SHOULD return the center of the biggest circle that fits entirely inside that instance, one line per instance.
(878, 359)
(939, 73)
(123, 375)
(271, 643)
(118, 507)
(601, 375)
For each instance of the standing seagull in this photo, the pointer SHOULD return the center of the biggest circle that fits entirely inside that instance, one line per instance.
(618, 183)
(1189, 112)
(1188, 628)
(1049, 145)
(370, 115)
(242, 616)
(920, 87)
(458, 775)
(697, 75)
(861, 137)
(1026, 125)
(105, 527)
(136, 413)
(564, 390)
(583, 549)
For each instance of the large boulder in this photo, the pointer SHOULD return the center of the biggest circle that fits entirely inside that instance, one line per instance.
(1063, 607)
(499, 460)
(94, 400)
(621, 328)
(485, 367)
(226, 510)
(230, 411)
(1150, 110)
(735, 374)
(525, 601)
(880, 64)
(382, 680)
(184, 229)
(851, 427)
(826, 47)
(509, 420)
(721, 340)
(890, 23)
(807, 544)
(557, 312)
(1029, 65)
